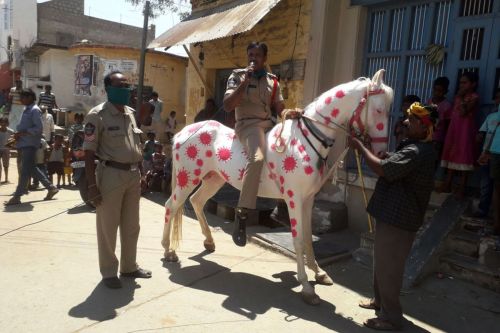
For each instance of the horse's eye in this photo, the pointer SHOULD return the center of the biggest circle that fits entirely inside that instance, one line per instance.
(378, 111)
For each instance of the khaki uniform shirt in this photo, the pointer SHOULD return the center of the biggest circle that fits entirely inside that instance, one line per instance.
(112, 135)
(255, 107)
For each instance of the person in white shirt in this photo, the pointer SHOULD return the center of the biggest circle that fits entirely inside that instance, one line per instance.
(48, 124)
(156, 123)
(171, 125)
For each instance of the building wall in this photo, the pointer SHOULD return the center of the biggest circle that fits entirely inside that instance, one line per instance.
(22, 28)
(76, 7)
(164, 72)
(277, 30)
(60, 24)
(55, 63)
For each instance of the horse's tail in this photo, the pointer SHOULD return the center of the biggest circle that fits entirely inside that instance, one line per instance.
(177, 218)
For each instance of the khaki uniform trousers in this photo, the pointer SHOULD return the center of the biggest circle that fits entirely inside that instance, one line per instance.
(253, 139)
(120, 190)
(392, 246)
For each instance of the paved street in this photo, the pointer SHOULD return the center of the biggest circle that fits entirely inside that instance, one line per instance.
(50, 282)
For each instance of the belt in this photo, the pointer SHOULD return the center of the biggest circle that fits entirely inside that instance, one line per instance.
(121, 166)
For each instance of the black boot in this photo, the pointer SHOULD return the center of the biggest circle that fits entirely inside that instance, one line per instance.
(240, 226)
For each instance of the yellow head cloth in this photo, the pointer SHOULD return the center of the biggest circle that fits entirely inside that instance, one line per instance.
(424, 115)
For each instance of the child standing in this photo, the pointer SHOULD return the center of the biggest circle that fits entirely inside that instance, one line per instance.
(154, 177)
(56, 160)
(170, 127)
(459, 145)
(5, 133)
(148, 150)
(41, 160)
(484, 137)
(491, 155)
(77, 126)
(68, 170)
(444, 108)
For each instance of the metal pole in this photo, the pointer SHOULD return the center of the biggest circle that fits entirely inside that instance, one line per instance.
(143, 58)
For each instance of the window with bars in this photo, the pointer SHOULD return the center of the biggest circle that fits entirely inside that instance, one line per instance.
(397, 40)
(475, 7)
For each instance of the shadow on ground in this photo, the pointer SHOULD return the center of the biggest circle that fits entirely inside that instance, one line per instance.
(250, 295)
(103, 302)
(446, 304)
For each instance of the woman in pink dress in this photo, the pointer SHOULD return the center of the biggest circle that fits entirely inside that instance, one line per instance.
(459, 146)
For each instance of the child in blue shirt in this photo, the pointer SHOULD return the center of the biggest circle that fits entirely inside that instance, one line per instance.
(491, 154)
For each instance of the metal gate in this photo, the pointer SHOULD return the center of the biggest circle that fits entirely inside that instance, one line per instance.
(398, 35)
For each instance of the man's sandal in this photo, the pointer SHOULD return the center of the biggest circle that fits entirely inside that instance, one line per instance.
(380, 325)
(140, 273)
(369, 304)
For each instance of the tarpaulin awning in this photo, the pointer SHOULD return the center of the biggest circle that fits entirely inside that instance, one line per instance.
(221, 24)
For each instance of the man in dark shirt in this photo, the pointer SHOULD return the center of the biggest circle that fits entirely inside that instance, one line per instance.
(208, 111)
(399, 203)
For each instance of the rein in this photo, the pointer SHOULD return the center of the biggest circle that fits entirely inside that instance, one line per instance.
(356, 127)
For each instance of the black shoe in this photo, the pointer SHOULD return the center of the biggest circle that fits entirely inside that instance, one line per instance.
(15, 200)
(240, 226)
(140, 273)
(50, 193)
(112, 282)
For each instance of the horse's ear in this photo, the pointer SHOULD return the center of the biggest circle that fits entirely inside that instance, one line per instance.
(378, 78)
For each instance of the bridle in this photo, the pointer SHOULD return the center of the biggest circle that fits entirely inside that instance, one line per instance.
(356, 126)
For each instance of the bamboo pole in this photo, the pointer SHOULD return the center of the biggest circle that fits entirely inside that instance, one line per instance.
(360, 171)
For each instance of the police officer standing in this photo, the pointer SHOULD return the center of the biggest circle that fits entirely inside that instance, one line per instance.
(252, 92)
(112, 136)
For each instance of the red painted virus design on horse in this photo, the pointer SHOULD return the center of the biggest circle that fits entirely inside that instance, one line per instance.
(289, 164)
(224, 154)
(205, 138)
(192, 152)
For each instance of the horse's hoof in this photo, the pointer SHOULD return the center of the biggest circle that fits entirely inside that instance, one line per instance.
(311, 299)
(324, 279)
(209, 246)
(171, 257)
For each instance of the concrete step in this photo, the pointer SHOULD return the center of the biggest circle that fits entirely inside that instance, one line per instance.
(475, 225)
(469, 269)
(464, 243)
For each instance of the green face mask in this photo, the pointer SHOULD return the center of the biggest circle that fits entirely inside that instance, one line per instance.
(120, 96)
(259, 74)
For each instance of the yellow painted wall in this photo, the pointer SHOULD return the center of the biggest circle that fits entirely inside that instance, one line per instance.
(165, 73)
(277, 30)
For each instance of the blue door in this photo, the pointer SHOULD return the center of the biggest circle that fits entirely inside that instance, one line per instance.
(475, 46)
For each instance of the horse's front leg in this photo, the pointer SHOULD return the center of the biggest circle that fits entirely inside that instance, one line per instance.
(320, 275)
(296, 213)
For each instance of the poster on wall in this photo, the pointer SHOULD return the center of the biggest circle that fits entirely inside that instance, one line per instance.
(110, 66)
(127, 67)
(83, 75)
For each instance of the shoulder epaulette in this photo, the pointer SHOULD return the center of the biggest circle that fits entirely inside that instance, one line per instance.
(271, 75)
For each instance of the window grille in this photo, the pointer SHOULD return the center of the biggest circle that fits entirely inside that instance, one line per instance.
(475, 7)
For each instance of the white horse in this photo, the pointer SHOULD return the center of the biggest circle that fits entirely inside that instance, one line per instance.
(209, 154)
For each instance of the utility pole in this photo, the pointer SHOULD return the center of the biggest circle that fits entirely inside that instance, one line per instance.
(143, 58)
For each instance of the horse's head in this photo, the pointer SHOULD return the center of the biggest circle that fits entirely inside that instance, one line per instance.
(374, 115)
(360, 107)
